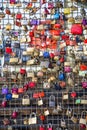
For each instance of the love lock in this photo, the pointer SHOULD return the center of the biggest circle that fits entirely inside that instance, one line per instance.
(49, 127)
(63, 123)
(41, 127)
(61, 76)
(82, 120)
(5, 89)
(52, 101)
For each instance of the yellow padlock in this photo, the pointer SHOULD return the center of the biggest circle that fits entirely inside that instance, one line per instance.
(67, 11)
(8, 26)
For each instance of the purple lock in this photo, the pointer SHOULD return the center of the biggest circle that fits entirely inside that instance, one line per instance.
(34, 22)
(14, 89)
(12, 1)
(84, 22)
(67, 69)
(5, 89)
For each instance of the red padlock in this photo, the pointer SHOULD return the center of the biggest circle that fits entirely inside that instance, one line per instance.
(25, 87)
(4, 103)
(31, 84)
(20, 90)
(83, 126)
(42, 117)
(22, 71)
(41, 127)
(52, 55)
(31, 34)
(14, 114)
(8, 50)
(73, 94)
(19, 16)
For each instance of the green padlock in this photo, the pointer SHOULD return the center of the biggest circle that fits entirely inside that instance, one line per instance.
(78, 101)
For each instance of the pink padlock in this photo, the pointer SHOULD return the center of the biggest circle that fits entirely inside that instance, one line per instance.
(31, 84)
(67, 69)
(49, 127)
(84, 83)
(42, 127)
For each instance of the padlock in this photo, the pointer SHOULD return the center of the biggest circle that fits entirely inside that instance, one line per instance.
(74, 118)
(49, 127)
(61, 76)
(67, 69)
(40, 102)
(59, 107)
(4, 89)
(14, 89)
(32, 119)
(46, 112)
(15, 114)
(41, 127)
(4, 103)
(63, 123)
(84, 83)
(57, 86)
(69, 112)
(82, 120)
(42, 117)
(8, 96)
(25, 121)
(52, 101)
(73, 94)
(25, 100)
(46, 54)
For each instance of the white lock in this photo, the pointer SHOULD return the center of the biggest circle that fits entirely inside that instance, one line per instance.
(40, 102)
(46, 112)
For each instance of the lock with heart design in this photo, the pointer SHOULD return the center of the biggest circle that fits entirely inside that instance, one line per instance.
(41, 127)
(52, 101)
(82, 120)
(49, 127)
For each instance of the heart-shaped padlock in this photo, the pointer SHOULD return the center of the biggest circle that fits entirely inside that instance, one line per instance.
(4, 103)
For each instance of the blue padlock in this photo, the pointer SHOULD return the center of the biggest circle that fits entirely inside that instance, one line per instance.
(25, 58)
(61, 76)
(9, 96)
(57, 86)
(46, 54)
(56, 15)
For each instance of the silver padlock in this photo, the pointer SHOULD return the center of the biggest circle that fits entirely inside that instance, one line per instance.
(52, 101)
